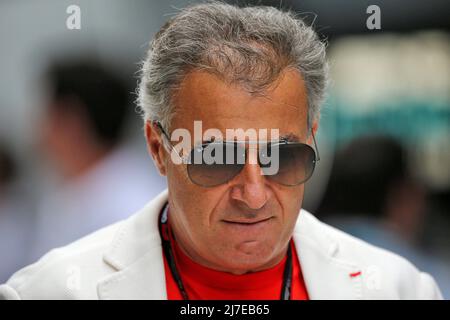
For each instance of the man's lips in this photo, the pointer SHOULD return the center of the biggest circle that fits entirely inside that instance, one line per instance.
(247, 221)
(248, 229)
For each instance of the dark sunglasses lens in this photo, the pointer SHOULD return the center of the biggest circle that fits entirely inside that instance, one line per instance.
(215, 163)
(296, 164)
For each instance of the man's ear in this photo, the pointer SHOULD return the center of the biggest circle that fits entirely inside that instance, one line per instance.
(155, 147)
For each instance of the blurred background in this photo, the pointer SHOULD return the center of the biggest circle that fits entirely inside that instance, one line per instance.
(73, 156)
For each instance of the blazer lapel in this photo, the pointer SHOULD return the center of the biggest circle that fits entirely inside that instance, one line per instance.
(326, 276)
(136, 254)
(143, 280)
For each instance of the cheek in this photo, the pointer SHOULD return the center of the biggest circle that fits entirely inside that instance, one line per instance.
(291, 200)
(297, 198)
(177, 178)
(196, 203)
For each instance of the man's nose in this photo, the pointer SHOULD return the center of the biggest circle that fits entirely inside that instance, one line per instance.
(250, 186)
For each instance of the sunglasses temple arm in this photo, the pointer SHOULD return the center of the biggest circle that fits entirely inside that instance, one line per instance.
(315, 146)
(166, 138)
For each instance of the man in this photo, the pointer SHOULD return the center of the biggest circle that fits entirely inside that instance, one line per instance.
(227, 229)
(82, 140)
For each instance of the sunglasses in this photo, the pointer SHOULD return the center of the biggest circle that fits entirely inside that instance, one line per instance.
(214, 163)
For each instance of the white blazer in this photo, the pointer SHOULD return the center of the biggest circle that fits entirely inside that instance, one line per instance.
(125, 261)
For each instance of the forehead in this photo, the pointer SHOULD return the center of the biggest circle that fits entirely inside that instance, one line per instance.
(204, 96)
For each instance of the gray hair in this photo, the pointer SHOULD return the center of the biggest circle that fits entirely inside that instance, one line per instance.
(249, 46)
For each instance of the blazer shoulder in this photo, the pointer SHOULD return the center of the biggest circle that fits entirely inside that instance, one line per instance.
(73, 271)
(385, 274)
(68, 272)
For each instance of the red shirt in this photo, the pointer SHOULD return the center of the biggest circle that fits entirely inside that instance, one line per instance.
(202, 283)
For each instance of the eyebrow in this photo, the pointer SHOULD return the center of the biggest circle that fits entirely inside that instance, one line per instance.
(289, 137)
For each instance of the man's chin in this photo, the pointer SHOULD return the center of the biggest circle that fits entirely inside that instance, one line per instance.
(249, 256)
